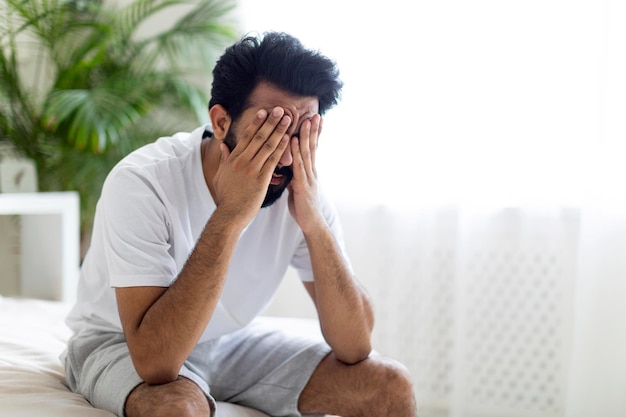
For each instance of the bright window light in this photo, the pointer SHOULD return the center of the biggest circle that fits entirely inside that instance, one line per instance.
(466, 101)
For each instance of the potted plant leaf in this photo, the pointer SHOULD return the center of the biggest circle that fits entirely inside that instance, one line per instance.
(84, 82)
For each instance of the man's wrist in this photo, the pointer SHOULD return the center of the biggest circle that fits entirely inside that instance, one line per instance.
(316, 230)
(228, 221)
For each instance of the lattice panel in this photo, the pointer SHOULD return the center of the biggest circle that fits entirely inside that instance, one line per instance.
(514, 332)
(478, 309)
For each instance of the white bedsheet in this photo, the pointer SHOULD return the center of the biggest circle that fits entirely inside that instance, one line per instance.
(32, 336)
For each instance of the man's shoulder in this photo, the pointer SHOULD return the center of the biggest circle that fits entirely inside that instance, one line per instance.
(160, 154)
(164, 148)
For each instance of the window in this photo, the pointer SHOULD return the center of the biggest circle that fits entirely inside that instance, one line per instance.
(495, 102)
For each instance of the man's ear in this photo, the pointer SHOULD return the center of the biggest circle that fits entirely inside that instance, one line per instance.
(220, 121)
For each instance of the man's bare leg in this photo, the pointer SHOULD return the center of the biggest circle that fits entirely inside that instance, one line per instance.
(374, 387)
(180, 398)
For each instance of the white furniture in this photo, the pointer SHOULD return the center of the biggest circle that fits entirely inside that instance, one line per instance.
(50, 253)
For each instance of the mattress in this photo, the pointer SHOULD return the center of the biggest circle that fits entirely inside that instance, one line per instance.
(32, 336)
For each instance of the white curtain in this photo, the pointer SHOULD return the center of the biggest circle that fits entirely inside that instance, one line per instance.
(495, 311)
(477, 159)
(499, 312)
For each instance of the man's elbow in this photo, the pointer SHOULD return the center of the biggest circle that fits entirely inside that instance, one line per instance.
(354, 355)
(159, 378)
(155, 373)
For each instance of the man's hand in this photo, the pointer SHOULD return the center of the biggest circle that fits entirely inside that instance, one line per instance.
(343, 307)
(243, 176)
(304, 202)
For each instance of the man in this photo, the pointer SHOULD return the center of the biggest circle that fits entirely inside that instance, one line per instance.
(192, 236)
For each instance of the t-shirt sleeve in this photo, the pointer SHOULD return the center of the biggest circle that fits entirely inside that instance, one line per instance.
(136, 233)
(301, 261)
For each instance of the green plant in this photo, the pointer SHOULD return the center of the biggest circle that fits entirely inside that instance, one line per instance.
(84, 82)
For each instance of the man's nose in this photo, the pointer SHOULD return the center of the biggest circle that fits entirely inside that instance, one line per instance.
(286, 159)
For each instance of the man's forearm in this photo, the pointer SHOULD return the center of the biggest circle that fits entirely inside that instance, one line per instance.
(344, 309)
(171, 327)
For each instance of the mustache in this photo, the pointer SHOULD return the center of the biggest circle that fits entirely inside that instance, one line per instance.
(284, 171)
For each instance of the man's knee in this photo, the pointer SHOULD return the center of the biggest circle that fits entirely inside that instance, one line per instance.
(181, 398)
(391, 382)
(376, 386)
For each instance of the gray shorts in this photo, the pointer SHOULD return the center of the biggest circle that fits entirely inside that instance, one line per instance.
(260, 366)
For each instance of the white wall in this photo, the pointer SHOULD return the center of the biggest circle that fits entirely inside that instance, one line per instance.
(453, 100)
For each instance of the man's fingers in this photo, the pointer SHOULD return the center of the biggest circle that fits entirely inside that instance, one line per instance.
(249, 131)
(298, 164)
(315, 131)
(274, 158)
(309, 134)
(264, 134)
(305, 131)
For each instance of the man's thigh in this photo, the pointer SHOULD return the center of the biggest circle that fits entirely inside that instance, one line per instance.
(100, 368)
(262, 366)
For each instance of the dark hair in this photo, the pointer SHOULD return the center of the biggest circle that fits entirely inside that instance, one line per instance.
(277, 58)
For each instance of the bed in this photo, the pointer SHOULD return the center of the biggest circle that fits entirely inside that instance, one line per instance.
(32, 336)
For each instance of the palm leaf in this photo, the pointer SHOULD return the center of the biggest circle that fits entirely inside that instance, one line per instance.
(193, 40)
(100, 88)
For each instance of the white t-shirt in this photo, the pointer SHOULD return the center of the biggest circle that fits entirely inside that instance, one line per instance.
(153, 208)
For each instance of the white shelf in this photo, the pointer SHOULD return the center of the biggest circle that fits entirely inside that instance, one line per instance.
(50, 239)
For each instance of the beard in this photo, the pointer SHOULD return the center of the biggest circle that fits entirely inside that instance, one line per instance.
(274, 192)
